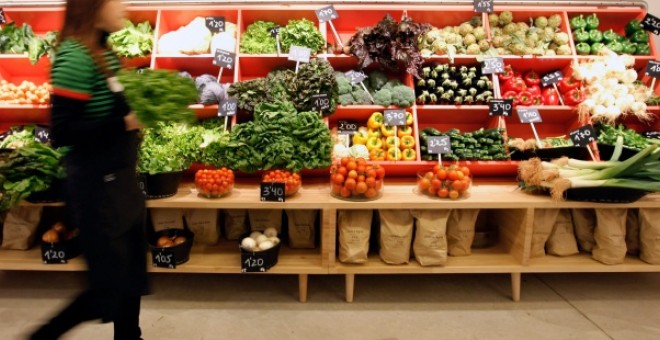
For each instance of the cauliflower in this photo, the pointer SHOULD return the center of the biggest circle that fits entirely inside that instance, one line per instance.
(359, 151)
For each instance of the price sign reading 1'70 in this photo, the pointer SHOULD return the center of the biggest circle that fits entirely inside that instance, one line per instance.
(395, 117)
(529, 115)
(493, 65)
(272, 192)
(326, 14)
(500, 107)
(439, 145)
(215, 24)
(583, 136)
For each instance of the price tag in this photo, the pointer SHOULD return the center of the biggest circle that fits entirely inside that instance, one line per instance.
(439, 144)
(253, 262)
(300, 54)
(652, 134)
(653, 68)
(6, 134)
(356, 77)
(326, 14)
(552, 78)
(3, 19)
(142, 183)
(42, 135)
(53, 253)
(224, 58)
(215, 24)
(529, 115)
(347, 126)
(275, 31)
(320, 102)
(493, 65)
(583, 136)
(651, 23)
(395, 117)
(272, 192)
(500, 107)
(228, 107)
(163, 258)
(483, 6)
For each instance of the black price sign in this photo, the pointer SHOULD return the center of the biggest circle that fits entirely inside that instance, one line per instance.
(347, 126)
(253, 262)
(529, 115)
(552, 78)
(275, 31)
(42, 135)
(326, 14)
(653, 68)
(439, 144)
(651, 23)
(228, 107)
(6, 134)
(300, 54)
(163, 258)
(493, 65)
(356, 77)
(272, 192)
(142, 183)
(395, 117)
(483, 6)
(500, 107)
(652, 134)
(3, 19)
(320, 102)
(215, 24)
(224, 58)
(53, 253)
(583, 136)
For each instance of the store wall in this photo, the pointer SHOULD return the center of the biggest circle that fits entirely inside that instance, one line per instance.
(654, 8)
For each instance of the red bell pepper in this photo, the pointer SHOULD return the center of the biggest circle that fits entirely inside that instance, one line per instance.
(515, 84)
(550, 97)
(568, 84)
(525, 98)
(534, 89)
(507, 74)
(511, 95)
(574, 97)
(538, 100)
(532, 78)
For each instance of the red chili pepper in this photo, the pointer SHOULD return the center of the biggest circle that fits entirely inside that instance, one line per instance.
(568, 84)
(574, 97)
(532, 78)
(525, 98)
(534, 89)
(515, 84)
(511, 95)
(507, 74)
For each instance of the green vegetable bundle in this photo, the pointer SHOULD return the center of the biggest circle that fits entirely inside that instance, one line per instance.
(384, 91)
(20, 40)
(590, 40)
(454, 85)
(315, 77)
(483, 145)
(257, 38)
(169, 147)
(159, 96)
(608, 134)
(301, 33)
(541, 36)
(133, 40)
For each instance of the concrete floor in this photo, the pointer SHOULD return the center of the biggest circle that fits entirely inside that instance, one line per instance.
(553, 306)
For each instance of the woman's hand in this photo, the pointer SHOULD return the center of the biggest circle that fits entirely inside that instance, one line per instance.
(132, 122)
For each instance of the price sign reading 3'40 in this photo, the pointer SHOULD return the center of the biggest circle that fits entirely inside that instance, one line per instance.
(500, 107)
(224, 58)
(163, 258)
(483, 6)
(347, 126)
(228, 107)
(583, 136)
(272, 192)
(493, 65)
(529, 115)
(552, 78)
(299, 54)
(326, 14)
(395, 117)
(651, 23)
(215, 24)
(320, 102)
(439, 145)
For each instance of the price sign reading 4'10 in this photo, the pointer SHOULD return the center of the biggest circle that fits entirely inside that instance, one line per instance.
(253, 263)
(347, 126)
(53, 254)
(651, 23)
(483, 6)
(529, 115)
(395, 117)
(583, 136)
(228, 107)
(439, 145)
(326, 14)
(500, 107)
(163, 258)
(300, 54)
(320, 102)
(215, 24)
(224, 58)
(272, 192)
(493, 65)
(356, 77)
(552, 78)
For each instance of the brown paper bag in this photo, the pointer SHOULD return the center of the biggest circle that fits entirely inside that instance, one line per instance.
(430, 245)
(610, 235)
(302, 228)
(460, 231)
(262, 219)
(544, 221)
(396, 228)
(649, 234)
(236, 223)
(20, 227)
(584, 221)
(165, 218)
(632, 232)
(562, 239)
(204, 224)
(354, 232)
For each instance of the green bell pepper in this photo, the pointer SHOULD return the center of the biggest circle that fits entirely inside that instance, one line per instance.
(615, 47)
(581, 36)
(583, 48)
(629, 47)
(578, 23)
(633, 26)
(643, 49)
(620, 38)
(596, 47)
(595, 36)
(640, 37)
(609, 36)
(592, 22)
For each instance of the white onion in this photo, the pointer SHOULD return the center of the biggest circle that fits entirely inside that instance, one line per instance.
(265, 245)
(248, 243)
(275, 240)
(261, 238)
(629, 76)
(638, 108)
(590, 103)
(270, 232)
(255, 234)
(600, 110)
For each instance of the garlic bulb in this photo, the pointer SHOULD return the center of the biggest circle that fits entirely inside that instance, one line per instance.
(255, 234)
(275, 240)
(261, 238)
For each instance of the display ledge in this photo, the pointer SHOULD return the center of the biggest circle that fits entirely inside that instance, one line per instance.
(584, 263)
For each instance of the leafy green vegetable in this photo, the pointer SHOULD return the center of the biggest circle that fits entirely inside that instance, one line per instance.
(608, 134)
(315, 77)
(301, 33)
(249, 93)
(133, 40)
(257, 39)
(169, 147)
(21, 40)
(159, 96)
(18, 139)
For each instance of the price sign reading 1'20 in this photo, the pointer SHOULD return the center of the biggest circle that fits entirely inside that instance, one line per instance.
(395, 117)
(252, 263)
(55, 254)
(215, 24)
(224, 58)
(272, 192)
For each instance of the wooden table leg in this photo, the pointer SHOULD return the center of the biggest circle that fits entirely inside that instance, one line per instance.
(515, 286)
(350, 285)
(302, 287)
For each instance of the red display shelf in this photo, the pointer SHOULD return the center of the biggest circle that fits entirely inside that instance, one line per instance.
(195, 65)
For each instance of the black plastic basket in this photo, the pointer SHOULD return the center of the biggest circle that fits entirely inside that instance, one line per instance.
(269, 256)
(162, 185)
(54, 193)
(72, 248)
(181, 251)
(605, 195)
(549, 154)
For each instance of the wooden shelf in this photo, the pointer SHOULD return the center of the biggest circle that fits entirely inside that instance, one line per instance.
(583, 263)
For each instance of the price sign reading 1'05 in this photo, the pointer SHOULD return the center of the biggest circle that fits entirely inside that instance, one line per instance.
(272, 192)
(163, 258)
(583, 136)
(224, 58)
(493, 65)
(439, 145)
(483, 6)
(215, 24)
(500, 107)
(651, 23)
(395, 117)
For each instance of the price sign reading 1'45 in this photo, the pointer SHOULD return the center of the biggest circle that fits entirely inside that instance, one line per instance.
(493, 65)
(395, 117)
(326, 14)
(300, 54)
(500, 107)
(483, 6)
(347, 126)
(529, 115)
(3, 20)
(228, 107)
(272, 192)
(653, 68)
(163, 258)
(253, 263)
(583, 136)
(651, 23)
(552, 78)
(215, 24)
(224, 59)
(439, 145)
(320, 102)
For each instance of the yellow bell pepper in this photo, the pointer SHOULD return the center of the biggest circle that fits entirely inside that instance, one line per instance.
(408, 155)
(374, 133)
(392, 141)
(409, 118)
(375, 121)
(393, 154)
(404, 131)
(374, 143)
(387, 130)
(360, 138)
(377, 155)
(407, 142)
